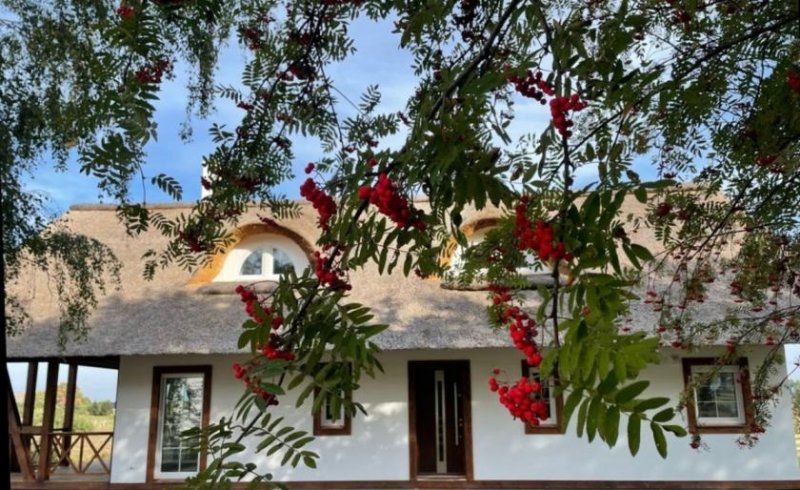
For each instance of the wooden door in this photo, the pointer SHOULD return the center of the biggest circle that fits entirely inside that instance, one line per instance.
(441, 440)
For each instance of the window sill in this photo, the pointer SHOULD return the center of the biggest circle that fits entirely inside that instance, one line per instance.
(721, 429)
(229, 287)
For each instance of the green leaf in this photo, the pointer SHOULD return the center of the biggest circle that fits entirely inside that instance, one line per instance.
(651, 403)
(287, 457)
(582, 413)
(631, 391)
(664, 415)
(678, 430)
(235, 447)
(611, 425)
(641, 252)
(659, 439)
(273, 389)
(608, 384)
(634, 433)
(641, 194)
(569, 406)
(302, 442)
(594, 418)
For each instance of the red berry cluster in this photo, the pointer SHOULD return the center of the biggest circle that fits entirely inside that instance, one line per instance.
(153, 72)
(191, 237)
(271, 350)
(560, 107)
(252, 37)
(240, 372)
(680, 15)
(385, 197)
(522, 399)
(532, 85)
(770, 163)
(125, 11)
(323, 203)
(245, 105)
(249, 299)
(663, 209)
(274, 350)
(301, 71)
(521, 327)
(793, 80)
(538, 238)
(522, 330)
(331, 276)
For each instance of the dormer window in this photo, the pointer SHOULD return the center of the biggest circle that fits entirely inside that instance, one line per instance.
(262, 257)
(263, 262)
(531, 270)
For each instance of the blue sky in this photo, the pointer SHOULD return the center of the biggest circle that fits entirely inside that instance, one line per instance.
(378, 60)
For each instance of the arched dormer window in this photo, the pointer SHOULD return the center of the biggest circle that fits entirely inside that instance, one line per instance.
(532, 269)
(262, 257)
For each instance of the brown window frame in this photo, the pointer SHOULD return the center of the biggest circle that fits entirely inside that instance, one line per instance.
(155, 403)
(559, 408)
(747, 396)
(321, 430)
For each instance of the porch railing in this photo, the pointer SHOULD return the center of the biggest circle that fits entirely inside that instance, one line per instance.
(81, 453)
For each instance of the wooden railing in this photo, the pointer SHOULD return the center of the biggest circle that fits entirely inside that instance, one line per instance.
(82, 452)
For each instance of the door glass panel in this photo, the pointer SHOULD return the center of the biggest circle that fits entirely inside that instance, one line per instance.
(181, 409)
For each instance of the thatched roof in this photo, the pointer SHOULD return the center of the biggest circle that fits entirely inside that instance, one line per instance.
(174, 314)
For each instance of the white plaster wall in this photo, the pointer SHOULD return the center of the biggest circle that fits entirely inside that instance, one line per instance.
(378, 446)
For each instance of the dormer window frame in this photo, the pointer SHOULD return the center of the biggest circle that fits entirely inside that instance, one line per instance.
(269, 245)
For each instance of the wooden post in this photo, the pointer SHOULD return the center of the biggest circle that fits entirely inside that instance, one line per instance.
(69, 410)
(30, 402)
(30, 394)
(20, 450)
(50, 393)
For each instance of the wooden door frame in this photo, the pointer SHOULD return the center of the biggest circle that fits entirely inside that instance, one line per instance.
(413, 446)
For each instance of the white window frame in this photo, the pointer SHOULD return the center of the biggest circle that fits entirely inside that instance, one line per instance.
(699, 372)
(266, 243)
(157, 473)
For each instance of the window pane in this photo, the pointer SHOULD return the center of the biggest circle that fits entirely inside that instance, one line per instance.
(182, 402)
(281, 262)
(169, 459)
(189, 460)
(716, 397)
(729, 409)
(544, 394)
(252, 264)
(707, 409)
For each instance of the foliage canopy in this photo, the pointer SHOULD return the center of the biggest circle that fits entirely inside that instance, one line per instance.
(644, 96)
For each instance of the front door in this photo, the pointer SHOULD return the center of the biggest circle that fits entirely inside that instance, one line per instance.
(439, 409)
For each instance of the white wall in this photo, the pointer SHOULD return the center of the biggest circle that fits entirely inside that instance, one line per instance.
(378, 446)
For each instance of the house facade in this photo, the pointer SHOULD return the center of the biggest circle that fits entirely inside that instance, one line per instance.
(432, 421)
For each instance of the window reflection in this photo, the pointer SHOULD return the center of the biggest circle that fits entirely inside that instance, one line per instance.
(281, 263)
(252, 264)
(182, 407)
